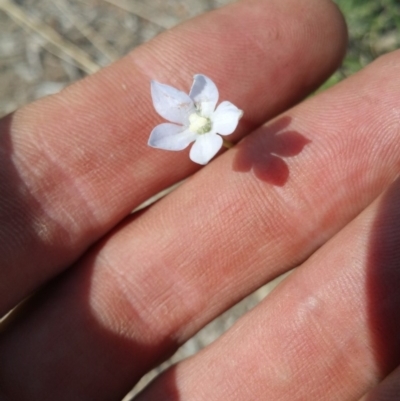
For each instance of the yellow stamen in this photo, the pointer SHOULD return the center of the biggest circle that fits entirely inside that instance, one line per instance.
(199, 124)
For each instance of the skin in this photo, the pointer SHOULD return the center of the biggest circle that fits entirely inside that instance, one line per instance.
(315, 187)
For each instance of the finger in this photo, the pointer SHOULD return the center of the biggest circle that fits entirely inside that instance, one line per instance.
(74, 164)
(331, 331)
(387, 390)
(152, 284)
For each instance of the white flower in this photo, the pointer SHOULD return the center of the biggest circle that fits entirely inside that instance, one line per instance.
(193, 118)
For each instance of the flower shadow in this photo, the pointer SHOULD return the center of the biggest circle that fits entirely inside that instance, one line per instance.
(263, 151)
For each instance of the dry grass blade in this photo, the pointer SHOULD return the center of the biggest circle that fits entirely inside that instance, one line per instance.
(158, 196)
(50, 35)
(147, 12)
(86, 30)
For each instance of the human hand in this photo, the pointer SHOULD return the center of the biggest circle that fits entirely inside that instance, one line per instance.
(130, 289)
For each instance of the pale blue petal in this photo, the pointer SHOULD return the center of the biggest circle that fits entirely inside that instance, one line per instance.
(170, 137)
(226, 118)
(204, 94)
(171, 104)
(205, 148)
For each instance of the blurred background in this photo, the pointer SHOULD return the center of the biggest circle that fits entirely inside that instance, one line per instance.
(46, 45)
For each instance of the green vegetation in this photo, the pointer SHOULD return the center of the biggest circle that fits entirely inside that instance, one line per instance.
(374, 29)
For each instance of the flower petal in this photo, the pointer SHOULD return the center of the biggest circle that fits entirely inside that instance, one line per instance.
(204, 94)
(171, 137)
(226, 118)
(171, 103)
(205, 148)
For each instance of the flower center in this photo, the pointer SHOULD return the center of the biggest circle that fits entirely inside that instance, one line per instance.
(199, 124)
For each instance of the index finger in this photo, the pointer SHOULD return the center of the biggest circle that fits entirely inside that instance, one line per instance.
(74, 164)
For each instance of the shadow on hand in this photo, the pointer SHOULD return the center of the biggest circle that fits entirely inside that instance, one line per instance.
(383, 282)
(24, 237)
(263, 151)
(61, 342)
(75, 355)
